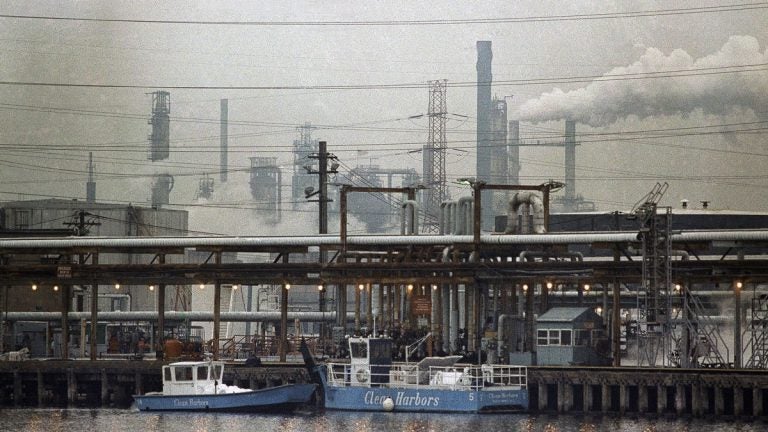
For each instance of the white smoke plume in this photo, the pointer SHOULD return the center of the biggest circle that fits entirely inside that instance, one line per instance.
(233, 211)
(602, 103)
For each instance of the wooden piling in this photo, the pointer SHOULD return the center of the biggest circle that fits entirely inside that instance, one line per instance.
(40, 389)
(104, 388)
(16, 387)
(71, 387)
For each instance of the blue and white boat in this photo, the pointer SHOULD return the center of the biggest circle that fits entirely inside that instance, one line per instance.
(372, 382)
(198, 386)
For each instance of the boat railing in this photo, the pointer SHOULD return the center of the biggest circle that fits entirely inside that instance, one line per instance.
(240, 347)
(455, 377)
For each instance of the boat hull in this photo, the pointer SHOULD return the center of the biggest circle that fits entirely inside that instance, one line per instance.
(426, 399)
(280, 398)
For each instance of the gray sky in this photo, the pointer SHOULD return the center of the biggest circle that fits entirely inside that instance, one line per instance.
(46, 132)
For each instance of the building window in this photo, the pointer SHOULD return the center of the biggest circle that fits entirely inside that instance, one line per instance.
(554, 337)
(541, 337)
(23, 219)
(582, 338)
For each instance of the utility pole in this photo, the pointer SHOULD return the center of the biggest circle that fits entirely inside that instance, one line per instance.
(82, 228)
(322, 157)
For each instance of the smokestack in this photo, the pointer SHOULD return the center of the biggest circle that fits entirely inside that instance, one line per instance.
(161, 123)
(570, 164)
(224, 136)
(484, 79)
(161, 190)
(90, 187)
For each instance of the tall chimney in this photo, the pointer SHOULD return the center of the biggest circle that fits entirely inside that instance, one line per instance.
(484, 79)
(224, 136)
(90, 187)
(570, 164)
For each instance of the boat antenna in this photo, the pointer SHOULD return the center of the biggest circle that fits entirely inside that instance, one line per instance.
(414, 346)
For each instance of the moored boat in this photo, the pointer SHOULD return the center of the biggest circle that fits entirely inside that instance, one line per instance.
(198, 386)
(372, 382)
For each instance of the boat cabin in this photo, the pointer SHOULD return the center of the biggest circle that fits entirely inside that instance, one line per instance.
(189, 377)
(370, 360)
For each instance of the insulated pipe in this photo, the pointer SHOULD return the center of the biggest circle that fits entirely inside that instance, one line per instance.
(177, 316)
(409, 220)
(537, 205)
(465, 215)
(445, 297)
(441, 219)
(500, 341)
(333, 240)
(454, 324)
(448, 217)
(446, 257)
(448, 308)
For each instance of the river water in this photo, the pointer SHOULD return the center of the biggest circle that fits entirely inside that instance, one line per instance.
(104, 420)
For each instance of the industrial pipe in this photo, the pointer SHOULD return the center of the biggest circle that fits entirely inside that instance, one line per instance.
(535, 203)
(409, 218)
(177, 316)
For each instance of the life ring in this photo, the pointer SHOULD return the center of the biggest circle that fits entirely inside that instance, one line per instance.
(362, 375)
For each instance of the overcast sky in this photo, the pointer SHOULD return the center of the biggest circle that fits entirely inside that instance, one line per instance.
(703, 131)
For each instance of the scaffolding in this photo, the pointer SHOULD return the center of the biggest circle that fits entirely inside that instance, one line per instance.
(653, 301)
(758, 329)
(303, 165)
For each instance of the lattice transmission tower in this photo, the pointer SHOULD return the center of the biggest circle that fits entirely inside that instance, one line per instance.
(434, 155)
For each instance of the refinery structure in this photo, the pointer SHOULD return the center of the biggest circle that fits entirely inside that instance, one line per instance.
(490, 267)
(405, 201)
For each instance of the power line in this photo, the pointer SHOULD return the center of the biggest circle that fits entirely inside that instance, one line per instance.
(426, 22)
(389, 147)
(678, 73)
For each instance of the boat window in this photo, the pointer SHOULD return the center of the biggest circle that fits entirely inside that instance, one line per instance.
(359, 349)
(216, 372)
(202, 372)
(167, 373)
(380, 351)
(183, 373)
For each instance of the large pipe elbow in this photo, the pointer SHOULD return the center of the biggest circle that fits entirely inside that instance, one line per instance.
(409, 221)
(537, 206)
(465, 215)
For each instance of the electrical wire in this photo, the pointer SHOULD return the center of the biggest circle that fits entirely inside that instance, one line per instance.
(677, 73)
(739, 7)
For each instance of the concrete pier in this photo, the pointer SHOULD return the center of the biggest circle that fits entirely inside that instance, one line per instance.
(650, 392)
(734, 393)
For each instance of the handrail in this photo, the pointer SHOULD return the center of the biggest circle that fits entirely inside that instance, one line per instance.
(401, 375)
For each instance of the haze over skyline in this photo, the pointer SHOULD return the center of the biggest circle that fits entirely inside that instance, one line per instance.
(668, 96)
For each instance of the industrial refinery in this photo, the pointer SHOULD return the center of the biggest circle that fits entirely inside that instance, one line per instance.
(603, 234)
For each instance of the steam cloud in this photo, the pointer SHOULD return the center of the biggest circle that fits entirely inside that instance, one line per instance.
(601, 103)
